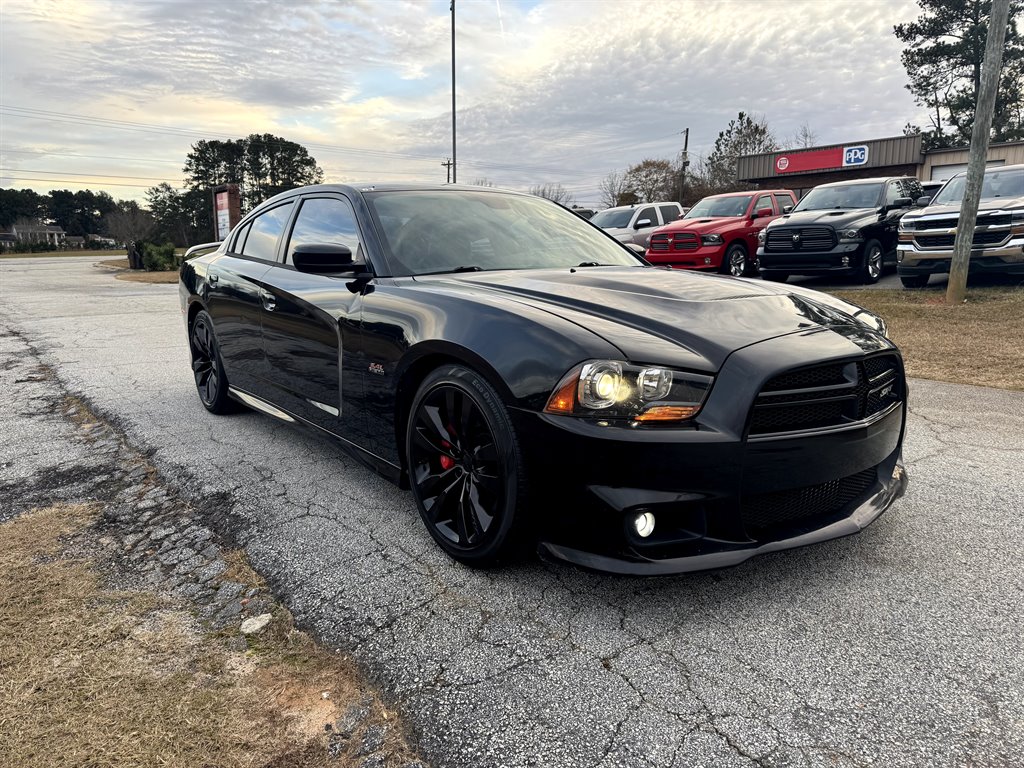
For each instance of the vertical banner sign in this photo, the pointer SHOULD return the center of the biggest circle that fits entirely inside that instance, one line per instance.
(223, 214)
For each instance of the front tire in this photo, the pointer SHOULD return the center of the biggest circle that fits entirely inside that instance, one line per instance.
(871, 270)
(207, 368)
(466, 468)
(735, 261)
(914, 281)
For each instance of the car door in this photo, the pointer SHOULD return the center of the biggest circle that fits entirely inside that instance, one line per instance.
(234, 301)
(890, 219)
(759, 223)
(642, 231)
(311, 323)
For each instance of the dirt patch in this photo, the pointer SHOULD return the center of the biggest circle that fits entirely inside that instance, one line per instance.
(95, 675)
(980, 342)
(139, 276)
(114, 264)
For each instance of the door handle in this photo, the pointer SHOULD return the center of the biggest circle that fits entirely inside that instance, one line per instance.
(269, 301)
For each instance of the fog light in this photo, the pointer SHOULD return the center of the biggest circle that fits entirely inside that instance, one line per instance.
(707, 259)
(644, 524)
(846, 261)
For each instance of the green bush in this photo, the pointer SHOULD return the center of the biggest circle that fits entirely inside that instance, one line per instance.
(159, 258)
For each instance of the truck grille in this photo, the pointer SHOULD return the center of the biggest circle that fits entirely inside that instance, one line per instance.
(800, 239)
(825, 396)
(981, 237)
(767, 513)
(998, 220)
(674, 241)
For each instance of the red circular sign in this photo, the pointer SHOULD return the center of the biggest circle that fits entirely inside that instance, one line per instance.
(782, 163)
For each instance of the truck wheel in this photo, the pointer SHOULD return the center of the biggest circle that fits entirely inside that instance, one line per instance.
(872, 269)
(775, 277)
(735, 261)
(914, 281)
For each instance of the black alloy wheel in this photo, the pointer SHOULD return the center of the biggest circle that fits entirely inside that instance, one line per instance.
(872, 269)
(914, 281)
(735, 261)
(211, 384)
(465, 466)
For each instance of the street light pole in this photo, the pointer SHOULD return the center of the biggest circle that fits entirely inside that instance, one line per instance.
(454, 172)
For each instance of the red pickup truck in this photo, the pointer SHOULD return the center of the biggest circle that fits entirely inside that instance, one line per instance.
(720, 232)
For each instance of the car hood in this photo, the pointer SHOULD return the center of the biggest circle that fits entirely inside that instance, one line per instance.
(989, 204)
(830, 217)
(702, 226)
(668, 317)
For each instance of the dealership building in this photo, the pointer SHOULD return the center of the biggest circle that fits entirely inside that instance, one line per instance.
(802, 169)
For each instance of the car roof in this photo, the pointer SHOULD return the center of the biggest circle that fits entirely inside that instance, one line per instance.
(994, 169)
(872, 180)
(750, 192)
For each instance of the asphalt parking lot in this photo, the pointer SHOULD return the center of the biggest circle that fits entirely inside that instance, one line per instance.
(903, 646)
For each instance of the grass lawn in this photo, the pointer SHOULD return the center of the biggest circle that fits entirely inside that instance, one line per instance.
(50, 254)
(980, 342)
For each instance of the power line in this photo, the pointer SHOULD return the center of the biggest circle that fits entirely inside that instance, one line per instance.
(76, 182)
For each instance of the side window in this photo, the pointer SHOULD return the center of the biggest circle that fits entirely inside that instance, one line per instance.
(265, 231)
(668, 213)
(647, 213)
(325, 220)
(783, 201)
(764, 201)
(239, 241)
(911, 188)
(892, 191)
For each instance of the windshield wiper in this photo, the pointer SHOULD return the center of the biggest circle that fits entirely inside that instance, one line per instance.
(463, 268)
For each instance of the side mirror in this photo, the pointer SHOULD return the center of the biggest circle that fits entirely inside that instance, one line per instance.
(322, 258)
(924, 200)
(902, 202)
(762, 213)
(787, 209)
(642, 223)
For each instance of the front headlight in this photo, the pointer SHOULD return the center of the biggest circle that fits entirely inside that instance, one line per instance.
(850, 235)
(634, 394)
(1016, 217)
(761, 236)
(711, 239)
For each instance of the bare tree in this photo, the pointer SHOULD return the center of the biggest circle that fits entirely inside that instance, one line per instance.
(804, 137)
(483, 181)
(613, 189)
(652, 180)
(130, 224)
(554, 192)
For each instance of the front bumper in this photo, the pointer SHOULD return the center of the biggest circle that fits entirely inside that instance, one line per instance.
(703, 257)
(813, 262)
(719, 495)
(1007, 259)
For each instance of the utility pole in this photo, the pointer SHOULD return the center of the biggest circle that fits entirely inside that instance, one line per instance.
(453, 95)
(448, 164)
(956, 289)
(684, 163)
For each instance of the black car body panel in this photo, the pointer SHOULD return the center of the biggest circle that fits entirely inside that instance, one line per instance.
(807, 242)
(345, 353)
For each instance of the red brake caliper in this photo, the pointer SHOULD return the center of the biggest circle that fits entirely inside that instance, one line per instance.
(447, 462)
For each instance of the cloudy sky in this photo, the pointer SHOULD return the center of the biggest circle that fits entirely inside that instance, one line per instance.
(110, 94)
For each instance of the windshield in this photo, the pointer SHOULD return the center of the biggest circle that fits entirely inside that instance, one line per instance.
(433, 231)
(995, 184)
(612, 219)
(845, 196)
(719, 206)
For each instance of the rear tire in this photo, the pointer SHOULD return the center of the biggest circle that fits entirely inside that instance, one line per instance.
(466, 467)
(774, 276)
(207, 367)
(914, 281)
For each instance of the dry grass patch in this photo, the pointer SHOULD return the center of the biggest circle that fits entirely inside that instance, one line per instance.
(95, 677)
(139, 276)
(980, 342)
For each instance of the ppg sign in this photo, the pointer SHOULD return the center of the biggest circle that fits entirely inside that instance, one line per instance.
(855, 155)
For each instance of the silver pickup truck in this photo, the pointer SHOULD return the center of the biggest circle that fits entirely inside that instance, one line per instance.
(926, 236)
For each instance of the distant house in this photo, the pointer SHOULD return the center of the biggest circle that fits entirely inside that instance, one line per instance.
(74, 241)
(107, 241)
(7, 240)
(38, 233)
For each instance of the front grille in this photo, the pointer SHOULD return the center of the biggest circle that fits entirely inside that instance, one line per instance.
(800, 239)
(767, 513)
(981, 237)
(676, 241)
(831, 395)
(998, 220)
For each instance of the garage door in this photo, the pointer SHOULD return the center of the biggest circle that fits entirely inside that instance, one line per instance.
(943, 172)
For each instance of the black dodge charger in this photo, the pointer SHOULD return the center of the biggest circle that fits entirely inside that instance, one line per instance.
(535, 383)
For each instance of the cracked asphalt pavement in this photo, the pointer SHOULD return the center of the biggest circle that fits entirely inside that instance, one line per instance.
(903, 646)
